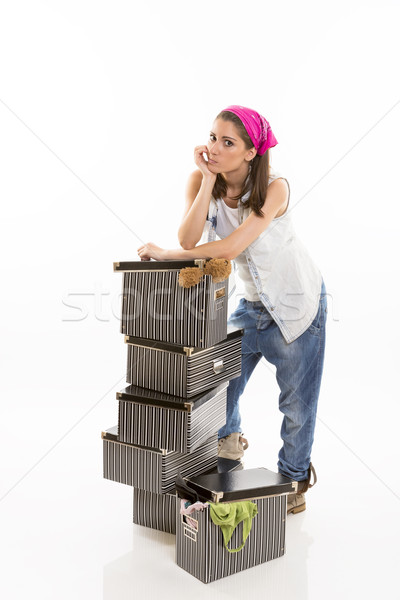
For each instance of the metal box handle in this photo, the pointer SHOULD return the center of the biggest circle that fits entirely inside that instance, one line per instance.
(218, 365)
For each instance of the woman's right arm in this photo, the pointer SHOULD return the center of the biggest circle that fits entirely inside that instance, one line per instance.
(198, 194)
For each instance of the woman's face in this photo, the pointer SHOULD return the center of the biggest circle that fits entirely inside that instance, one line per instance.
(226, 149)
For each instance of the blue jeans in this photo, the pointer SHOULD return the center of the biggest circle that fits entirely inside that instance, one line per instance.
(299, 368)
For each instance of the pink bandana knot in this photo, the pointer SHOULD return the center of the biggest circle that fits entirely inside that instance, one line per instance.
(256, 126)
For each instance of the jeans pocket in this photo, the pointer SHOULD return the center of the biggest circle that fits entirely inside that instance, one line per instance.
(320, 317)
(236, 318)
(315, 327)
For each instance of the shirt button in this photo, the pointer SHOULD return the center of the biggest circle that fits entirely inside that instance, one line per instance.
(272, 308)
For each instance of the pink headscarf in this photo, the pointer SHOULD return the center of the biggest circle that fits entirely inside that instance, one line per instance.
(256, 126)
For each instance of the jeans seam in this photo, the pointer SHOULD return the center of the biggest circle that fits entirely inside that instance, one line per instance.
(311, 426)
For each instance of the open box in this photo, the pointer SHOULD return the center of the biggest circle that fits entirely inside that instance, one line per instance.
(200, 548)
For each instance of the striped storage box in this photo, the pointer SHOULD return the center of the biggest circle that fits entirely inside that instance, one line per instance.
(156, 420)
(157, 511)
(200, 548)
(155, 306)
(182, 371)
(152, 469)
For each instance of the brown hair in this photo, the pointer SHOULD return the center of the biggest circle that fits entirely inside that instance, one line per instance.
(257, 181)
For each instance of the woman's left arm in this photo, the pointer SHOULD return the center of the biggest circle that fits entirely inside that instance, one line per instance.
(233, 244)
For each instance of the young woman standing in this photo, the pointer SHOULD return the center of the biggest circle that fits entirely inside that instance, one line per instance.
(235, 194)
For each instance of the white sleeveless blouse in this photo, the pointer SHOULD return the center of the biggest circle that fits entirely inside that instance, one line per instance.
(276, 268)
(227, 222)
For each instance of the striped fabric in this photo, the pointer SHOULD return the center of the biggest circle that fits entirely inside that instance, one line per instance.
(178, 430)
(182, 375)
(156, 307)
(202, 552)
(155, 470)
(157, 511)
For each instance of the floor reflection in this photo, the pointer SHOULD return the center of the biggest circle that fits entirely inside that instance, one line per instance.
(150, 569)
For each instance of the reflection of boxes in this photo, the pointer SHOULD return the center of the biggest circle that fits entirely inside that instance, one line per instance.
(152, 469)
(155, 306)
(156, 420)
(182, 371)
(200, 548)
(157, 511)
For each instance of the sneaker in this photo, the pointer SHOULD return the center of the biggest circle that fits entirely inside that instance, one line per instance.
(296, 502)
(232, 446)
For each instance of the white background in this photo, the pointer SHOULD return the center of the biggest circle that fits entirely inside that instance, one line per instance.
(101, 106)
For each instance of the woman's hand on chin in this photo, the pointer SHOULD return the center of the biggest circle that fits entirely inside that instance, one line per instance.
(150, 250)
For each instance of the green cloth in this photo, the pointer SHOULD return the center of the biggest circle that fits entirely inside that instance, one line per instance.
(228, 515)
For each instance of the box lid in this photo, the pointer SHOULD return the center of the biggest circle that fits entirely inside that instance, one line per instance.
(157, 265)
(234, 486)
(111, 435)
(140, 395)
(232, 334)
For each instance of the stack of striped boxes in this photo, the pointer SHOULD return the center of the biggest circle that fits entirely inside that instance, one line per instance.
(180, 360)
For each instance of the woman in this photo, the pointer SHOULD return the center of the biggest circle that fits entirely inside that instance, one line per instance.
(235, 195)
